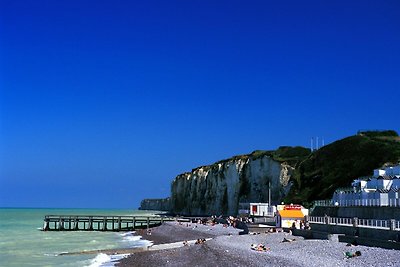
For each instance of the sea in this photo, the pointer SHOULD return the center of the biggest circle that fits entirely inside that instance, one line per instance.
(22, 243)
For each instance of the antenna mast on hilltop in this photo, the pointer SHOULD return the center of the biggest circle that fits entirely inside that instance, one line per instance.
(312, 141)
(315, 144)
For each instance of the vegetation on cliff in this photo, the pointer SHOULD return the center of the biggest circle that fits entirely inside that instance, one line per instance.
(288, 154)
(338, 164)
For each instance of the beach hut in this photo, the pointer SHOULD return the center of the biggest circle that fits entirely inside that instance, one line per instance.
(289, 214)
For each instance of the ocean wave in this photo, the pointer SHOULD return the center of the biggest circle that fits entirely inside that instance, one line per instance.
(104, 260)
(132, 238)
(127, 233)
(134, 241)
(50, 254)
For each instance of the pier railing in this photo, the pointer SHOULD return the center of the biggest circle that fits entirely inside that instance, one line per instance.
(100, 222)
(356, 222)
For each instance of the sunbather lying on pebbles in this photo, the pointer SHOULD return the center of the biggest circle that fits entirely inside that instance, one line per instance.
(259, 247)
(200, 241)
(349, 255)
(288, 240)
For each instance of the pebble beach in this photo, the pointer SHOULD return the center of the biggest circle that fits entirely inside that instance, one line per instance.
(225, 247)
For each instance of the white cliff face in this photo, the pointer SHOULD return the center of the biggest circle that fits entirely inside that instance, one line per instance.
(218, 189)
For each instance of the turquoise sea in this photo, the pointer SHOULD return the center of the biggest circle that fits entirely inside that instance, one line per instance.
(22, 243)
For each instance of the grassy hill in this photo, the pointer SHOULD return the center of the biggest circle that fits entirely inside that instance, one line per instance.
(338, 164)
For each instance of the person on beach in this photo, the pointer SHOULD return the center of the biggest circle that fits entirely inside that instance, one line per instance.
(200, 241)
(259, 247)
(241, 225)
(349, 255)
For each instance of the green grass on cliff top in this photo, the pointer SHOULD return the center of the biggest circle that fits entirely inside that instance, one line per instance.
(288, 154)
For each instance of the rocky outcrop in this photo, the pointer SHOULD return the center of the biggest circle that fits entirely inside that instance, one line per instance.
(219, 188)
(160, 204)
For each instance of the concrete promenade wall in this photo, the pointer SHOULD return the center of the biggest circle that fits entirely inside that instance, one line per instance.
(365, 232)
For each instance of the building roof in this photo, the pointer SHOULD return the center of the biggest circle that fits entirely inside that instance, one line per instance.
(383, 190)
(388, 177)
(291, 213)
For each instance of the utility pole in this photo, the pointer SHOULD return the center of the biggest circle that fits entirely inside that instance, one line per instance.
(269, 192)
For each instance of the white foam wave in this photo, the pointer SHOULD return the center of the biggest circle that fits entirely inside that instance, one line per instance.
(131, 238)
(50, 254)
(104, 260)
(99, 260)
(127, 234)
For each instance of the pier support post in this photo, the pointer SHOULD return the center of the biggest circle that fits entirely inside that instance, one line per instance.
(76, 224)
(90, 224)
(148, 222)
(134, 223)
(60, 224)
(46, 225)
(104, 223)
(119, 224)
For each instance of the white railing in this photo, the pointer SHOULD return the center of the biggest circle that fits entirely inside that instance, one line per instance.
(342, 221)
(392, 202)
(373, 223)
(316, 219)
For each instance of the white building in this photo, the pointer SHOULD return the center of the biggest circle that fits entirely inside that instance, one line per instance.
(381, 189)
(262, 209)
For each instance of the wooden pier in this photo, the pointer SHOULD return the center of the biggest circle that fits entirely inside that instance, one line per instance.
(100, 223)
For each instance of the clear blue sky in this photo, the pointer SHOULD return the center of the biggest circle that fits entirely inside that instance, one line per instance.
(103, 103)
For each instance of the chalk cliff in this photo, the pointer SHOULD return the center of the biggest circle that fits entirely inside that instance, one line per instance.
(219, 188)
(160, 204)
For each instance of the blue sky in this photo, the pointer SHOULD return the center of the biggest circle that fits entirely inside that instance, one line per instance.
(103, 103)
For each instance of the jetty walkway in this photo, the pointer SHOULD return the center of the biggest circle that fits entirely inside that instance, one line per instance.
(100, 222)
